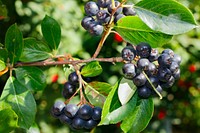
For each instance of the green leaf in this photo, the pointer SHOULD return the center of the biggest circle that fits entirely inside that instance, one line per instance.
(31, 77)
(120, 113)
(3, 11)
(8, 121)
(2, 65)
(3, 54)
(126, 90)
(112, 102)
(91, 69)
(133, 30)
(21, 100)
(34, 50)
(14, 43)
(94, 97)
(139, 117)
(101, 87)
(167, 16)
(51, 32)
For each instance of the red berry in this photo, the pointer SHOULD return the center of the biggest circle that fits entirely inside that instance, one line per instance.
(161, 114)
(118, 38)
(192, 68)
(54, 78)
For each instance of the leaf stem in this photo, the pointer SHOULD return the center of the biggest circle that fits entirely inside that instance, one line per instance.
(158, 93)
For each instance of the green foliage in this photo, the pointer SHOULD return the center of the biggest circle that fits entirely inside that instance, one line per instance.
(101, 87)
(20, 100)
(3, 11)
(92, 69)
(133, 30)
(31, 77)
(51, 32)
(34, 50)
(168, 16)
(14, 43)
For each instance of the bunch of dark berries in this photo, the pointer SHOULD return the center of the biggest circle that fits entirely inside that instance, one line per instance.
(77, 118)
(99, 14)
(147, 68)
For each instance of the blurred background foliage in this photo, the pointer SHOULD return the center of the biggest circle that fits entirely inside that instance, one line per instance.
(178, 112)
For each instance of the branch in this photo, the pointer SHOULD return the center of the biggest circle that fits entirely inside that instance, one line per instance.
(74, 62)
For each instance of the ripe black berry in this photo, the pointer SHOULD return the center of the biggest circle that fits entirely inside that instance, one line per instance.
(73, 78)
(153, 55)
(70, 110)
(154, 80)
(110, 8)
(129, 70)
(103, 16)
(143, 64)
(85, 112)
(86, 21)
(128, 53)
(169, 52)
(129, 11)
(152, 69)
(177, 58)
(139, 80)
(117, 17)
(78, 123)
(96, 113)
(69, 90)
(144, 92)
(91, 8)
(96, 29)
(164, 74)
(90, 124)
(143, 50)
(103, 3)
(65, 119)
(164, 60)
(57, 108)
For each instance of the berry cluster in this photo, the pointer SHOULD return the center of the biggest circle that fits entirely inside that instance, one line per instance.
(78, 118)
(150, 69)
(99, 14)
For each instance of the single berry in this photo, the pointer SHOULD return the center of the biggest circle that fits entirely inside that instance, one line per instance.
(143, 64)
(164, 74)
(174, 67)
(91, 8)
(70, 110)
(119, 9)
(65, 119)
(78, 123)
(139, 80)
(85, 112)
(57, 108)
(128, 53)
(54, 78)
(117, 17)
(164, 60)
(154, 81)
(169, 52)
(128, 11)
(177, 58)
(168, 84)
(153, 55)
(143, 50)
(103, 3)
(118, 38)
(96, 113)
(73, 78)
(144, 92)
(192, 68)
(90, 124)
(96, 29)
(129, 70)
(86, 21)
(177, 74)
(103, 16)
(152, 69)
(69, 90)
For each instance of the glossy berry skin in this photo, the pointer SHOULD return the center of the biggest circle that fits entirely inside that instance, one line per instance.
(57, 108)
(173, 67)
(164, 60)
(86, 21)
(128, 53)
(153, 55)
(154, 80)
(85, 112)
(96, 29)
(65, 119)
(139, 80)
(168, 84)
(78, 123)
(164, 74)
(143, 50)
(96, 113)
(169, 52)
(128, 11)
(90, 124)
(144, 92)
(70, 110)
(110, 9)
(117, 17)
(73, 78)
(91, 8)
(103, 16)
(143, 64)
(177, 58)
(177, 74)
(129, 70)
(69, 90)
(103, 3)
(152, 69)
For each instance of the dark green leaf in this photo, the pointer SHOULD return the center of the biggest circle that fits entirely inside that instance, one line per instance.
(14, 43)
(31, 77)
(8, 121)
(120, 113)
(101, 87)
(94, 96)
(34, 50)
(51, 32)
(3, 54)
(133, 30)
(21, 100)
(139, 117)
(167, 16)
(112, 102)
(2, 65)
(126, 90)
(91, 69)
